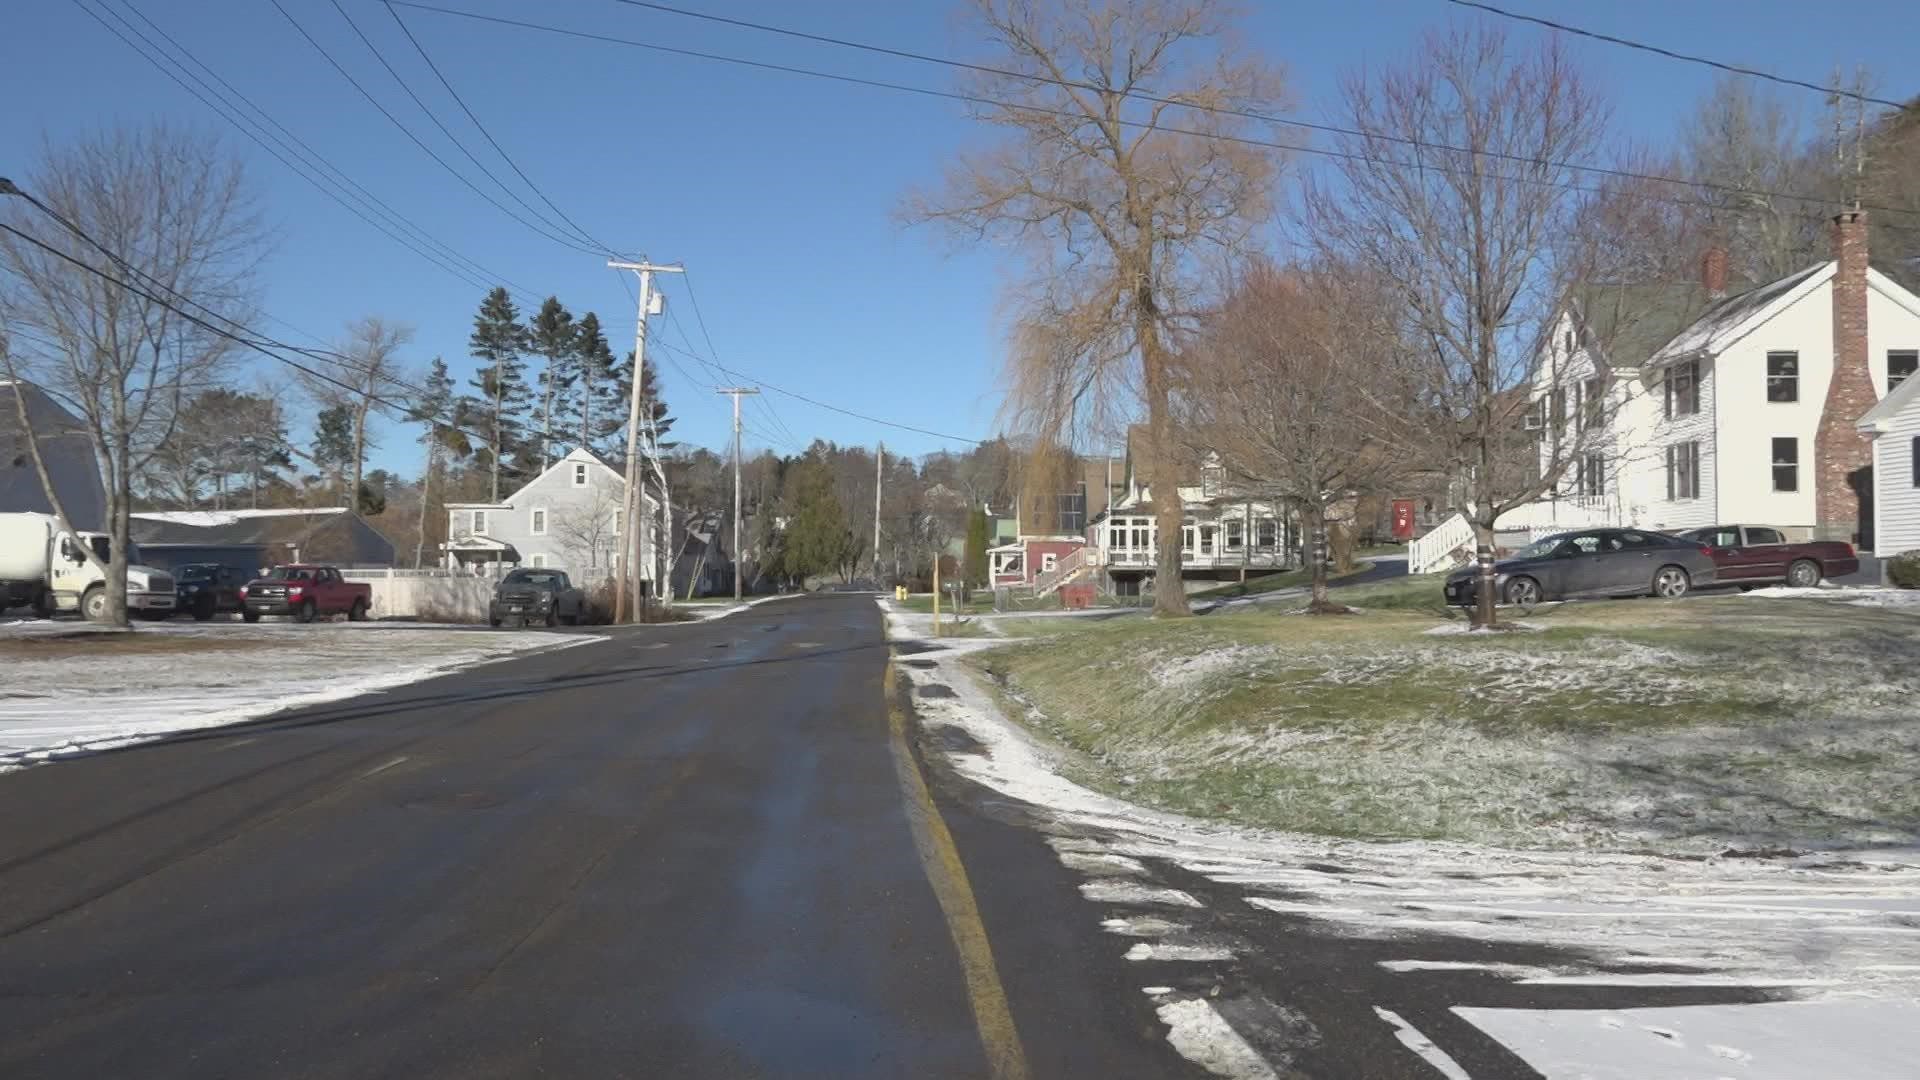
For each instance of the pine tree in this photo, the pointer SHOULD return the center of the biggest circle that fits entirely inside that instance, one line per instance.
(333, 447)
(621, 380)
(596, 409)
(437, 408)
(552, 334)
(499, 342)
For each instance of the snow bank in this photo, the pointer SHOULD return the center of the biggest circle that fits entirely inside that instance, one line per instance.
(1858, 1040)
(1856, 595)
(68, 703)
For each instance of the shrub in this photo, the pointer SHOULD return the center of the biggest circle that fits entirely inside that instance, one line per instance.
(1904, 569)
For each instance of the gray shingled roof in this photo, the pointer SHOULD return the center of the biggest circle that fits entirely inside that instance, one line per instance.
(1702, 333)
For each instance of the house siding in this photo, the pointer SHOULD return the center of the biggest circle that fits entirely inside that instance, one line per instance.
(1748, 422)
(1896, 499)
(1649, 472)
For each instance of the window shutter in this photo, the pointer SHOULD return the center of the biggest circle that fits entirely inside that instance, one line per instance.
(1670, 451)
(1916, 461)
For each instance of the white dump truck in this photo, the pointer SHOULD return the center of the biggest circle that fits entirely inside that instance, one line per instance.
(43, 566)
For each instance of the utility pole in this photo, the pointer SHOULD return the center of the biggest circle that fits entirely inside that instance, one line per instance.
(879, 462)
(632, 531)
(735, 392)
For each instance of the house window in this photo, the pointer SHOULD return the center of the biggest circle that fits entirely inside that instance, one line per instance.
(1593, 475)
(538, 527)
(537, 559)
(1901, 364)
(579, 474)
(1269, 533)
(1210, 481)
(1683, 471)
(1207, 533)
(1116, 534)
(1783, 376)
(1140, 534)
(1569, 342)
(1593, 402)
(1048, 561)
(1236, 530)
(1557, 411)
(1683, 389)
(1786, 464)
(1916, 461)
(480, 521)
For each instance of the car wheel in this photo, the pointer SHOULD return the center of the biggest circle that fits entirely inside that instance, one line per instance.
(203, 609)
(1671, 582)
(1803, 574)
(552, 619)
(250, 616)
(358, 612)
(1523, 592)
(93, 605)
(306, 612)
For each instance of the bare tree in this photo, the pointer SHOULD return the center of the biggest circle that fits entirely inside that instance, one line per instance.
(1458, 191)
(591, 532)
(1746, 151)
(362, 374)
(1295, 384)
(1120, 171)
(127, 252)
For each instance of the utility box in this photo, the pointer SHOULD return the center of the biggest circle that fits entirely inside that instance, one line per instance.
(1077, 596)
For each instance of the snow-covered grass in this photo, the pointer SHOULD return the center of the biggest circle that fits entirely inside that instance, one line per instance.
(65, 689)
(1639, 725)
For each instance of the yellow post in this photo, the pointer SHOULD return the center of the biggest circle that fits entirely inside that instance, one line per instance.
(936, 594)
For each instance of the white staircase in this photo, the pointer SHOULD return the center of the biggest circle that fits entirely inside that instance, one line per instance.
(1444, 547)
(1066, 570)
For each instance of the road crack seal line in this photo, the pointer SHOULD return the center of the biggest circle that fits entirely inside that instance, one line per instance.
(947, 875)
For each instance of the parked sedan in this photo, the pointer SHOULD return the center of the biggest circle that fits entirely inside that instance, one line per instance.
(544, 596)
(1761, 555)
(1593, 562)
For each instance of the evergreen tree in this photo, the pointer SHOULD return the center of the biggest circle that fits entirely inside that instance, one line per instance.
(437, 408)
(552, 334)
(979, 535)
(818, 537)
(333, 447)
(499, 342)
(621, 378)
(597, 409)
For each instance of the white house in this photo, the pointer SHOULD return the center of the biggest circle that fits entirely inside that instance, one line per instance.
(567, 518)
(1223, 531)
(1746, 414)
(1894, 427)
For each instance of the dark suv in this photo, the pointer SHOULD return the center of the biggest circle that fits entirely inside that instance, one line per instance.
(202, 589)
(536, 595)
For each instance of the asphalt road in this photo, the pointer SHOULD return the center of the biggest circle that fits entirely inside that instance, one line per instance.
(689, 851)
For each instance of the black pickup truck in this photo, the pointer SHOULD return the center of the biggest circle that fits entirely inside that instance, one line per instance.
(535, 595)
(205, 589)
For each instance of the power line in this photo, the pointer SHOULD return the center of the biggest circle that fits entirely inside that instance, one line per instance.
(1219, 110)
(1245, 140)
(415, 139)
(1670, 54)
(468, 270)
(491, 141)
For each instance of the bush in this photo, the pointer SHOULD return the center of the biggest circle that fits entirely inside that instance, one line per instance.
(1904, 569)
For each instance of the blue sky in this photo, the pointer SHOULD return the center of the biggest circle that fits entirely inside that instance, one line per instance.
(777, 191)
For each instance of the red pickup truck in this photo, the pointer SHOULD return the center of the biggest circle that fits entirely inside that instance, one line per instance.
(1761, 555)
(306, 593)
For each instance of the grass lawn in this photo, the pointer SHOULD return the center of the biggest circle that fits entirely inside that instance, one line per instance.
(1286, 579)
(1689, 726)
(922, 603)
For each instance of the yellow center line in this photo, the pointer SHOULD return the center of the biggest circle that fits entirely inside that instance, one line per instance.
(1006, 1060)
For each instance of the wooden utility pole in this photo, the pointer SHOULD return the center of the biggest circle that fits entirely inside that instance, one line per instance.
(632, 530)
(735, 392)
(879, 460)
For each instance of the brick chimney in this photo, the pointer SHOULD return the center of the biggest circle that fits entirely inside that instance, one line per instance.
(1713, 271)
(1839, 450)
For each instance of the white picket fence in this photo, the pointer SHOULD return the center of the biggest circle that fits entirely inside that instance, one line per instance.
(1445, 546)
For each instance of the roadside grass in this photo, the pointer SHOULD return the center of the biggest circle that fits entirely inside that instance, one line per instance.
(1691, 726)
(922, 603)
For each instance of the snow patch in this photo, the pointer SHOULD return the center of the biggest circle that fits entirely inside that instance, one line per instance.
(1204, 1037)
(1855, 1039)
(1202, 953)
(1510, 626)
(1115, 891)
(1412, 1039)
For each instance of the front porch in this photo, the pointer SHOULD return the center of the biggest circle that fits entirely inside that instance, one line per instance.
(1227, 539)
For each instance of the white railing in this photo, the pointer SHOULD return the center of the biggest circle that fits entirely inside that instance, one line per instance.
(1065, 570)
(1441, 547)
(1258, 558)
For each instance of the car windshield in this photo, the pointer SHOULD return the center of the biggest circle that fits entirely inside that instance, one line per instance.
(195, 573)
(534, 577)
(290, 573)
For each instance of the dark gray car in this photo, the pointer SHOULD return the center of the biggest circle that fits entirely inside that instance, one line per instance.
(1592, 562)
(536, 595)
